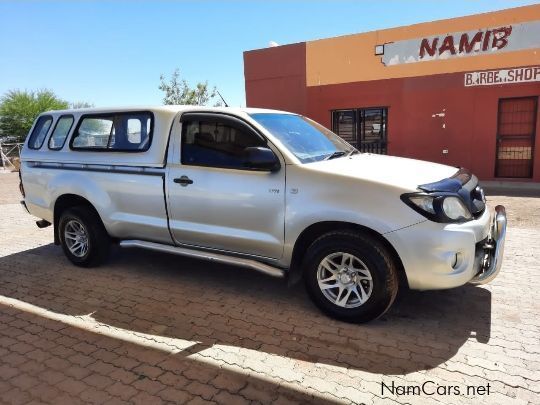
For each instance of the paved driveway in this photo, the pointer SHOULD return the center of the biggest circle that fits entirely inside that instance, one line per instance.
(151, 328)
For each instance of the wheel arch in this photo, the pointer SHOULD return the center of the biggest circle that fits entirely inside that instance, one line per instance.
(314, 231)
(64, 202)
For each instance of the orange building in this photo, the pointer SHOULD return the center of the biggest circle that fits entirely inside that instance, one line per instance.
(462, 91)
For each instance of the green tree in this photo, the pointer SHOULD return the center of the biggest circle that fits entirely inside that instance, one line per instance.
(178, 91)
(19, 109)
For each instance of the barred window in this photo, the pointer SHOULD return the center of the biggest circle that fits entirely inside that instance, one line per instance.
(365, 128)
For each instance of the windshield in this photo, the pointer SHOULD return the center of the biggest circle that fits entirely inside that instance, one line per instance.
(307, 140)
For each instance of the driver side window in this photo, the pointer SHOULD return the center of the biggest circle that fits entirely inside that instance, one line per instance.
(216, 144)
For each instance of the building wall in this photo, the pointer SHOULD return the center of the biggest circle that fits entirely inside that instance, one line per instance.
(352, 58)
(429, 114)
(276, 78)
(430, 109)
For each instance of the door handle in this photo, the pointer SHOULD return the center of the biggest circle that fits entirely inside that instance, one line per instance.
(183, 181)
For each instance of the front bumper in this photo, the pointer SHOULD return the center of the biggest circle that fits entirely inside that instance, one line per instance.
(440, 256)
(489, 259)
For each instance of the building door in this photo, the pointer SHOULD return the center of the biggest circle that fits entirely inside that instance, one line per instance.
(365, 128)
(516, 132)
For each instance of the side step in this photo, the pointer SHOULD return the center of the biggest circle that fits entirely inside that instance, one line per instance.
(210, 256)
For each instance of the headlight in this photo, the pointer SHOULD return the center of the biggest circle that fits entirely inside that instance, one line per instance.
(438, 207)
(454, 209)
(424, 202)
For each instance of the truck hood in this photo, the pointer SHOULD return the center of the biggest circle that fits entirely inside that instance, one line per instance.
(394, 171)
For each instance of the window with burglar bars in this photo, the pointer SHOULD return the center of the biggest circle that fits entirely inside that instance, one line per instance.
(365, 128)
(516, 132)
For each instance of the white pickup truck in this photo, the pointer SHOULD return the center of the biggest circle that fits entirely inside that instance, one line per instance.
(268, 190)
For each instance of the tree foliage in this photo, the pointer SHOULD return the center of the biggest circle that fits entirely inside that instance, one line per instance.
(178, 91)
(19, 109)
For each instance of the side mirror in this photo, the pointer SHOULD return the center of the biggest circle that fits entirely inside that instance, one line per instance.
(261, 158)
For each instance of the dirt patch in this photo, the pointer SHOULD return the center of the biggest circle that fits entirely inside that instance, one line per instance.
(522, 212)
(9, 188)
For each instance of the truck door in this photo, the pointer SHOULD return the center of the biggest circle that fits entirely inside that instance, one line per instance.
(216, 201)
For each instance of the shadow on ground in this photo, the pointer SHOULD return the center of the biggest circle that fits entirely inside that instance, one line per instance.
(92, 368)
(215, 304)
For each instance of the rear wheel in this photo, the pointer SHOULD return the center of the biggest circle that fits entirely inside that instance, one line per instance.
(83, 237)
(350, 276)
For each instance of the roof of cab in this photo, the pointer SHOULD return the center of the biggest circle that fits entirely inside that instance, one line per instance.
(173, 109)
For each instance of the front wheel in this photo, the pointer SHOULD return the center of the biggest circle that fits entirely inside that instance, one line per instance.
(350, 276)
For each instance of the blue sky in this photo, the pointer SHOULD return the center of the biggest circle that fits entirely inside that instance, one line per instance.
(112, 53)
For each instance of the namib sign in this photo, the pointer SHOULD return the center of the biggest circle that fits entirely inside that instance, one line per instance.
(463, 44)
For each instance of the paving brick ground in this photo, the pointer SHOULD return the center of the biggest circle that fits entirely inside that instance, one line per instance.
(152, 328)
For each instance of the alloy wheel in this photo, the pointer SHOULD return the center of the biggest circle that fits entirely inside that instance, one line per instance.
(344, 280)
(76, 237)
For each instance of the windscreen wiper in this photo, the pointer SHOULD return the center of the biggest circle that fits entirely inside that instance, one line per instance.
(335, 155)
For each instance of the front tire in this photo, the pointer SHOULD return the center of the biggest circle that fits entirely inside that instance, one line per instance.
(350, 276)
(83, 237)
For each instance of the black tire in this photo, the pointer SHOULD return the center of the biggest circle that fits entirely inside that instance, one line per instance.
(369, 253)
(99, 242)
